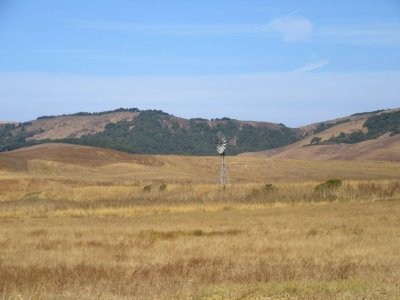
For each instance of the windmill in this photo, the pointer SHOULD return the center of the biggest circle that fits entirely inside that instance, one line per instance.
(220, 142)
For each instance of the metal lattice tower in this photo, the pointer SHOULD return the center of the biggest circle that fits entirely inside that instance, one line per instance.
(220, 142)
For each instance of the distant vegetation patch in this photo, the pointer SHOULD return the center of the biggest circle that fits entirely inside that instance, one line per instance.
(377, 125)
(367, 113)
(174, 234)
(265, 193)
(14, 136)
(331, 184)
(156, 132)
(91, 114)
(324, 126)
(327, 189)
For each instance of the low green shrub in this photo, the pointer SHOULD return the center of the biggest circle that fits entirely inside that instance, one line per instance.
(162, 188)
(147, 188)
(331, 184)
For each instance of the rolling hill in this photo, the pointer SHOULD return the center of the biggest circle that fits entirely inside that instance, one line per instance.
(361, 136)
(83, 165)
(364, 136)
(146, 132)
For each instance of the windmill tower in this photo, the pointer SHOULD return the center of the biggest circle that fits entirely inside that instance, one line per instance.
(220, 142)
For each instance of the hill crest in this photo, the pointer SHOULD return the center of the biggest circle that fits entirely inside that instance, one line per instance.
(146, 132)
(362, 136)
(156, 132)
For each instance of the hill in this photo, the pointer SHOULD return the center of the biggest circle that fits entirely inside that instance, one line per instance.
(83, 165)
(146, 132)
(363, 136)
(82, 156)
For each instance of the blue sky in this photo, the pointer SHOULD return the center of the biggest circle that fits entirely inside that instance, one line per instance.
(294, 62)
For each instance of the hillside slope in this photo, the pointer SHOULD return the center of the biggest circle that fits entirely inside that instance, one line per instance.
(146, 132)
(383, 148)
(75, 126)
(48, 164)
(84, 156)
(368, 136)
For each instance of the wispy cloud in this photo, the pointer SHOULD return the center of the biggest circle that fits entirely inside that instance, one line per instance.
(172, 29)
(277, 97)
(291, 28)
(364, 34)
(59, 51)
(313, 66)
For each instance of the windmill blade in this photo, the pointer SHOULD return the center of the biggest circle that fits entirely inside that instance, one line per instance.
(220, 142)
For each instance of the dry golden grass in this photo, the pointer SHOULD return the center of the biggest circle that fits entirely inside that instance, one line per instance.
(328, 251)
(93, 164)
(73, 227)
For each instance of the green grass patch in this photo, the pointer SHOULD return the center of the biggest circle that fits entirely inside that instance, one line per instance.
(174, 234)
(348, 289)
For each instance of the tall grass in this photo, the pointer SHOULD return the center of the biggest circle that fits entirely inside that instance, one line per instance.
(145, 231)
(128, 199)
(117, 194)
(332, 251)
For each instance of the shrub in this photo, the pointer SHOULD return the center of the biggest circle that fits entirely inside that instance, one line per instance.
(269, 187)
(147, 188)
(263, 193)
(162, 187)
(315, 140)
(254, 193)
(331, 184)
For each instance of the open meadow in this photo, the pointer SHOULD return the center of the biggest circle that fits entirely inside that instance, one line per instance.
(87, 223)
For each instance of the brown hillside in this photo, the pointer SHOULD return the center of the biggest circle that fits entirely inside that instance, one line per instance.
(70, 154)
(355, 122)
(382, 148)
(76, 126)
(359, 120)
(64, 162)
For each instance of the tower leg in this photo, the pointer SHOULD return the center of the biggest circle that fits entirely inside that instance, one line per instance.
(223, 178)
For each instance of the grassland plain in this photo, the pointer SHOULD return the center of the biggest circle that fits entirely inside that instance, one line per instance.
(89, 225)
(303, 251)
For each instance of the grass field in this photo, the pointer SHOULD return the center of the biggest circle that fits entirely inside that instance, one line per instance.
(160, 228)
(308, 251)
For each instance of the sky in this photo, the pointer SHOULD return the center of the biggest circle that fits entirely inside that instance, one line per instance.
(291, 62)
